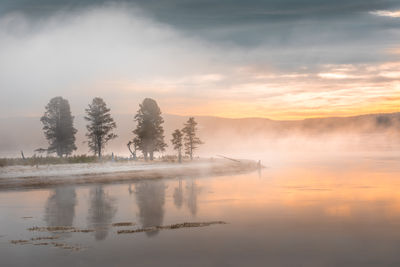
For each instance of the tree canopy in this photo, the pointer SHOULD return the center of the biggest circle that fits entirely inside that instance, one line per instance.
(177, 142)
(191, 141)
(149, 130)
(58, 127)
(100, 125)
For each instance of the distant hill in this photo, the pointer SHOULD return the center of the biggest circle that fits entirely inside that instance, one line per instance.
(223, 135)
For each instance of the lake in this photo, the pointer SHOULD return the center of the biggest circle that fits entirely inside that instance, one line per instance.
(322, 211)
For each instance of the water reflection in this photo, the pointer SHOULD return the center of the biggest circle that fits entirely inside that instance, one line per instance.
(178, 195)
(60, 207)
(320, 215)
(150, 198)
(130, 190)
(192, 193)
(101, 212)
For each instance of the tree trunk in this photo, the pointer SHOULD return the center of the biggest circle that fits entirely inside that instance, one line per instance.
(151, 155)
(130, 150)
(99, 148)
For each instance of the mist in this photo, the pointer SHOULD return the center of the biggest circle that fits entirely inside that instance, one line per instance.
(253, 138)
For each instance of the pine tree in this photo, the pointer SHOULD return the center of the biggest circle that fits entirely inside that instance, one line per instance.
(177, 142)
(191, 140)
(149, 130)
(100, 125)
(58, 127)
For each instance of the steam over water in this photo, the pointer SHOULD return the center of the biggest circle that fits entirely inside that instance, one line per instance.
(311, 211)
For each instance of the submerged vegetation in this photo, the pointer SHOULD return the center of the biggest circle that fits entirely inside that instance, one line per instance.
(70, 229)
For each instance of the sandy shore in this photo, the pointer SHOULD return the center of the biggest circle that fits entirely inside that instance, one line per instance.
(49, 175)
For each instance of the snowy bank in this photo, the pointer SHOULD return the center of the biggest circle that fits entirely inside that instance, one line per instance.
(42, 176)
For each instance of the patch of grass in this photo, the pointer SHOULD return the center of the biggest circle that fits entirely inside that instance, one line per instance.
(65, 246)
(59, 229)
(170, 227)
(20, 242)
(120, 224)
(41, 244)
(44, 238)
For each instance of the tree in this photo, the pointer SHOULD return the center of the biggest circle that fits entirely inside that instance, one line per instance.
(149, 130)
(135, 143)
(58, 127)
(177, 142)
(191, 140)
(100, 125)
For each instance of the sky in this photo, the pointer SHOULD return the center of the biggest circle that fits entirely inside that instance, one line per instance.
(278, 59)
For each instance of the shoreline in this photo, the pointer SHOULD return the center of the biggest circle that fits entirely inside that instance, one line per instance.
(22, 177)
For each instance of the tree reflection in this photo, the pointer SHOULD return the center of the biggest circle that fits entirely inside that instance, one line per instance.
(178, 195)
(60, 207)
(192, 192)
(101, 212)
(150, 198)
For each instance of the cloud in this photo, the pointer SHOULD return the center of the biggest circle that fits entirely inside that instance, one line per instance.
(123, 54)
(83, 53)
(387, 13)
(333, 75)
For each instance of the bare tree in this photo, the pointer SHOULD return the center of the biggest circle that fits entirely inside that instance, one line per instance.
(135, 143)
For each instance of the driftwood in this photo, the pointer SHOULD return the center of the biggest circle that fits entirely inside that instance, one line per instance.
(235, 160)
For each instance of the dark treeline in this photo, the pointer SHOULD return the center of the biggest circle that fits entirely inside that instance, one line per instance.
(148, 136)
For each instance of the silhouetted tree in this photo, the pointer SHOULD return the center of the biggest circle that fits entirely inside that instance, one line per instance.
(383, 121)
(58, 127)
(100, 125)
(177, 142)
(149, 130)
(191, 140)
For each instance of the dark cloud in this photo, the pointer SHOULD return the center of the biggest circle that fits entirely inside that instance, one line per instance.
(205, 12)
(313, 25)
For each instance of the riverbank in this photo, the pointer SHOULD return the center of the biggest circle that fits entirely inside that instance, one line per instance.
(14, 177)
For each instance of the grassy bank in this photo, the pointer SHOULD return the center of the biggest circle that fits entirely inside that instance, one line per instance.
(51, 160)
(13, 177)
(33, 161)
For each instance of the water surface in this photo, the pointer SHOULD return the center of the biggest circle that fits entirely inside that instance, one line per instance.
(342, 212)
